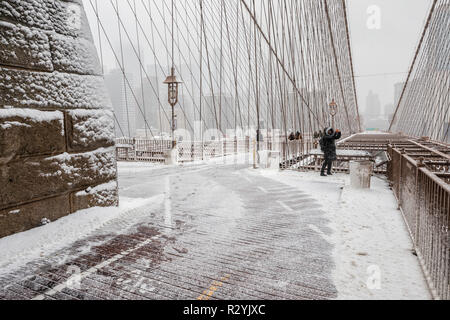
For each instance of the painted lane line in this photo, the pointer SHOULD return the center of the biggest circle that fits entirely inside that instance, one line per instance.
(69, 282)
(208, 293)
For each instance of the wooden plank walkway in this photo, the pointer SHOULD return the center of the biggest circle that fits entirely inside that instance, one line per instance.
(255, 242)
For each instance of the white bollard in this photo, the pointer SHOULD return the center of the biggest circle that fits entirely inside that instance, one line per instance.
(361, 174)
(269, 159)
(263, 158)
(171, 157)
(274, 160)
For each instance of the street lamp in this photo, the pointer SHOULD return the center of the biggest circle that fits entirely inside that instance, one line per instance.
(333, 109)
(172, 84)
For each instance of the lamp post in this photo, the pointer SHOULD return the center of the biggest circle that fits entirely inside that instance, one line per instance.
(172, 84)
(333, 109)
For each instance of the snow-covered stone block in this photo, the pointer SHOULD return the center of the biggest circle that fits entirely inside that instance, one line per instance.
(74, 55)
(21, 88)
(49, 176)
(25, 47)
(27, 216)
(28, 132)
(69, 18)
(90, 129)
(32, 13)
(104, 195)
(54, 110)
(64, 17)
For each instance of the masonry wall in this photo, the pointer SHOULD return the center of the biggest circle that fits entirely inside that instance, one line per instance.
(56, 123)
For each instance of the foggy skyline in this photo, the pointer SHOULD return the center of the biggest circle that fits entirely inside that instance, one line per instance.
(381, 57)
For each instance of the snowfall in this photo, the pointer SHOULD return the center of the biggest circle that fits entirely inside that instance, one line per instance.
(373, 253)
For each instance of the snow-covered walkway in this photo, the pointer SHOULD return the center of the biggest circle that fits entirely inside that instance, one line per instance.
(220, 232)
(373, 253)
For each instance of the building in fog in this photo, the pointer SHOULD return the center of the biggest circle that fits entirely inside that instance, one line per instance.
(149, 99)
(218, 111)
(373, 114)
(373, 105)
(389, 110)
(123, 101)
(398, 88)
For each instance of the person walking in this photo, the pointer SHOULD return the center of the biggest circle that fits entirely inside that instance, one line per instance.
(328, 146)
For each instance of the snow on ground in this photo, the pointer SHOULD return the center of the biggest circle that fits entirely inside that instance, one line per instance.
(343, 153)
(370, 237)
(137, 167)
(131, 168)
(374, 132)
(24, 247)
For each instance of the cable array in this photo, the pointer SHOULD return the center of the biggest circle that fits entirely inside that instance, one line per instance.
(423, 109)
(268, 64)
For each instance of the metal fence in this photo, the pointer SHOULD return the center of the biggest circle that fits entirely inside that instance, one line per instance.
(304, 155)
(424, 199)
(148, 150)
(295, 152)
(341, 165)
(142, 149)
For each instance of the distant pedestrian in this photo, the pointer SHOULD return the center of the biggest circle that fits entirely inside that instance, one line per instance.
(298, 136)
(328, 146)
(292, 136)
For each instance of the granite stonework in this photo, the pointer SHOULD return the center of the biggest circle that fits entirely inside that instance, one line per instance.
(56, 121)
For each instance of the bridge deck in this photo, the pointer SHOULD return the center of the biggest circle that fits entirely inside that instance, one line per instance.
(226, 232)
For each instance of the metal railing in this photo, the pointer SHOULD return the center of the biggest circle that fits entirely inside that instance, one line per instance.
(305, 155)
(148, 150)
(341, 165)
(294, 152)
(419, 171)
(424, 200)
(142, 149)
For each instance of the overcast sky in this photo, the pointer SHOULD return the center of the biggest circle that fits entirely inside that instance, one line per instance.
(387, 51)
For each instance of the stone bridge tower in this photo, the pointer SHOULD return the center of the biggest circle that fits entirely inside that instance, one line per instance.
(56, 124)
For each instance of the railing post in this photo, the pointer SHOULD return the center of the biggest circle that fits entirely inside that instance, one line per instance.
(224, 154)
(400, 179)
(420, 165)
(134, 153)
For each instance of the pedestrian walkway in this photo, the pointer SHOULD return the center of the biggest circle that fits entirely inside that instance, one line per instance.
(216, 232)
(237, 242)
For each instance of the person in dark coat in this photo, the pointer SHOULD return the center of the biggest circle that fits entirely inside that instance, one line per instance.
(329, 149)
(291, 137)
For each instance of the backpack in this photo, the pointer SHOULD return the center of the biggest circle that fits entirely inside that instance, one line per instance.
(322, 144)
